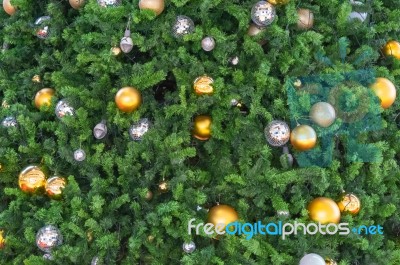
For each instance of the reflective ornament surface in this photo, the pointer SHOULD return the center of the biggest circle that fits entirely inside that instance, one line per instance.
(277, 133)
(208, 44)
(100, 130)
(8, 7)
(54, 186)
(108, 3)
(9, 121)
(76, 4)
(79, 155)
(155, 5)
(350, 203)
(183, 25)
(128, 99)
(32, 179)
(385, 91)
(392, 48)
(312, 259)
(139, 129)
(63, 108)
(202, 127)
(189, 247)
(42, 27)
(223, 215)
(303, 138)
(203, 85)
(324, 210)
(323, 114)
(43, 97)
(263, 13)
(306, 18)
(48, 237)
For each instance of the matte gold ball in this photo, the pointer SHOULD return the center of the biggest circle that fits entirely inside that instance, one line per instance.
(324, 210)
(306, 18)
(278, 2)
(303, 138)
(392, 48)
(36, 79)
(350, 203)
(222, 214)
(323, 114)
(128, 99)
(54, 186)
(203, 85)
(76, 4)
(43, 97)
(202, 127)
(10, 9)
(156, 5)
(385, 90)
(116, 50)
(31, 179)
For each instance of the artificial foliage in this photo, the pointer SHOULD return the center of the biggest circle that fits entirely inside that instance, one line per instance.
(105, 210)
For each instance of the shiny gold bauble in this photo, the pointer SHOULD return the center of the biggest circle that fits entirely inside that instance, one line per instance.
(150, 238)
(330, 262)
(10, 9)
(156, 5)
(43, 97)
(303, 138)
(36, 79)
(385, 90)
(2, 239)
(254, 30)
(149, 195)
(202, 127)
(222, 214)
(76, 4)
(128, 99)
(324, 210)
(306, 18)
(116, 50)
(323, 114)
(203, 85)
(278, 2)
(350, 203)
(54, 186)
(163, 186)
(32, 179)
(392, 48)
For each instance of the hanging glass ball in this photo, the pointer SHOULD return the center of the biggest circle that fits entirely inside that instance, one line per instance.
(63, 108)
(100, 130)
(277, 133)
(189, 247)
(79, 155)
(263, 13)
(208, 44)
(48, 237)
(139, 129)
(108, 3)
(42, 27)
(183, 25)
(9, 121)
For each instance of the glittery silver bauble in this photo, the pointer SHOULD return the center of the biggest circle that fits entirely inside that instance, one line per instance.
(189, 247)
(48, 237)
(100, 130)
(9, 121)
(108, 3)
(63, 108)
(138, 129)
(42, 27)
(234, 60)
(48, 256)
(183, 25)
(79, 155)
(263, 13)
(208, 44)
(96, 261)
(277, 133)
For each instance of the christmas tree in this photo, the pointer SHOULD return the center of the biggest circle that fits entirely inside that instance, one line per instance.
(121, 121)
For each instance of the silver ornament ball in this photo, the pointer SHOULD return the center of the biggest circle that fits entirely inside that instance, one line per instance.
(234, 60)
(189, 247)
(9, 121)
(63, 108)
(208, 44)
(263, 13)
(183, 25)
(79, 155)
(42, 27)
(139, 129)
(48, 237)
(126, 43)
(108, 3)
(100, 130)
(277, 133)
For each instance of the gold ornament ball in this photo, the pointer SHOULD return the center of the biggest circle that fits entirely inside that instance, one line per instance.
(323, 114)
(306, 18)
(222, 214)
(31, 179)
(116, 50)
(43, 97)
(203, 85)
(54, 186)
(330, 262)
(254, 30)
(149, 195)
(278, 2)
(163, 186)
(303, 138)
(2, 239)
(36, 79)
(392, 48)
(156, 5)
(202, 127)
(324, 210)
(350, 203)
(385, 91)
(10, 9)
(128, 99)
(76, 4)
